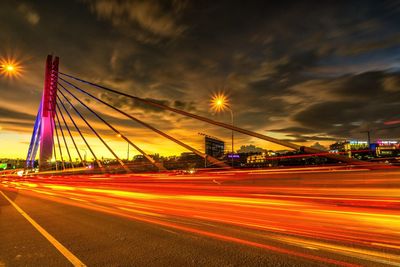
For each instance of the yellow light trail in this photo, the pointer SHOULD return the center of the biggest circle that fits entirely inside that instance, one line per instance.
(319, 211)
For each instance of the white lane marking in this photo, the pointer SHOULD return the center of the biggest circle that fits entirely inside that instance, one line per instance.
(63, 250)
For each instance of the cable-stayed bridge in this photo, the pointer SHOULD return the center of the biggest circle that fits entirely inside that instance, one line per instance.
(57, 121)
(332, 215)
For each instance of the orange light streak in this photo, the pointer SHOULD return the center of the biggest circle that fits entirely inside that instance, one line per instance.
(313, 210)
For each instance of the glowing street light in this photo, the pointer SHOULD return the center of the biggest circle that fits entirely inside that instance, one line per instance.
(10, 68)
(220, 102)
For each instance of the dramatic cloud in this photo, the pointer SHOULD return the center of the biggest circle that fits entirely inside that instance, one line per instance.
(302, 71)
(30, 15)
(156, 18)
(358, 102)
(15, 115)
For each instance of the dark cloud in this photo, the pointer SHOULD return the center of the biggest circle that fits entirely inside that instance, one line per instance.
(125, 103)
(362, 86)
(293, 130)
(8, 114)
(18, 126)
(325, 115)
(363, 101)
(306, 70)
(306, 138)
(149, 20)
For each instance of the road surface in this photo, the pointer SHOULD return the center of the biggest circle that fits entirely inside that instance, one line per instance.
(291, 217)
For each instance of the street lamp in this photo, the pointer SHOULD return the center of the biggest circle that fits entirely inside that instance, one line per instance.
(84, 156)
(127, 154)
(220, 102)
(10, 68)
(54, 160)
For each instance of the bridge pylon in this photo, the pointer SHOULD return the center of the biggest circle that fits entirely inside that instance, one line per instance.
(48, 106)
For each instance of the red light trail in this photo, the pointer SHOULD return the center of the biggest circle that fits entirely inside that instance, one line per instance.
(350, 213)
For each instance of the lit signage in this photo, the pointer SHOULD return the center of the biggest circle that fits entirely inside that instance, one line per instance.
(355, 142)
(233, 156)
(387, 142)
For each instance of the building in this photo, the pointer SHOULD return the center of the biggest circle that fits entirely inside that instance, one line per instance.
(214, 147)
(251, 149)
(12, 164)
(360, 149)
(260, 157)
(345, 146)
(387, 148)
(353, 148)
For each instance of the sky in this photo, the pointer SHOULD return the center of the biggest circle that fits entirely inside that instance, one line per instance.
(304, 71)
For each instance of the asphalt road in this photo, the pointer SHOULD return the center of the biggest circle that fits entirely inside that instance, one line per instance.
(114, 221)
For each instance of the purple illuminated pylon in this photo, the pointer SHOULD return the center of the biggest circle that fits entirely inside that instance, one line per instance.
(34, 145)
(47, 113)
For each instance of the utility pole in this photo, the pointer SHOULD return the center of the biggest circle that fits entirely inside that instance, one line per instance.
(127, 158)
(368, 136)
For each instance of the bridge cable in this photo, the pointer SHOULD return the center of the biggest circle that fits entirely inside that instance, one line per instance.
(91, 127)
(59, 146)
(33, 144)
(63, 137)
(32, 156)
(70, 134)
(80, 133)
(36, 146)
(182, 112)
(94, 131)
(54, 148)
(188, 114)
(152, 161)
(199, 153)
(221, 124)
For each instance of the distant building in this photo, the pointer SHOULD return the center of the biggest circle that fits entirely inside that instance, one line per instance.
(360, 149)
(260, 157)
(139, 158)
(214, 147)
(251, 149)
(349, 146)
(190, 160)
(256, 158)
(387, 148)
(11, 164)
(354, 148)
(337, 147)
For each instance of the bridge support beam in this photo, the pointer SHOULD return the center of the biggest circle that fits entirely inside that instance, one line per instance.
(48, 112)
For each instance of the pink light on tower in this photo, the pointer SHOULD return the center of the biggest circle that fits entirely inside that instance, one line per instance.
(48, 112)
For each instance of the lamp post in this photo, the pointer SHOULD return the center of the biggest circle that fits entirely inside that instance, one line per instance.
(84, 156)
(219, 102)
(127, 153)
(127, 156)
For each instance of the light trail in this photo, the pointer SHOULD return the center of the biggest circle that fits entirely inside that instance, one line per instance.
(350, 214)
